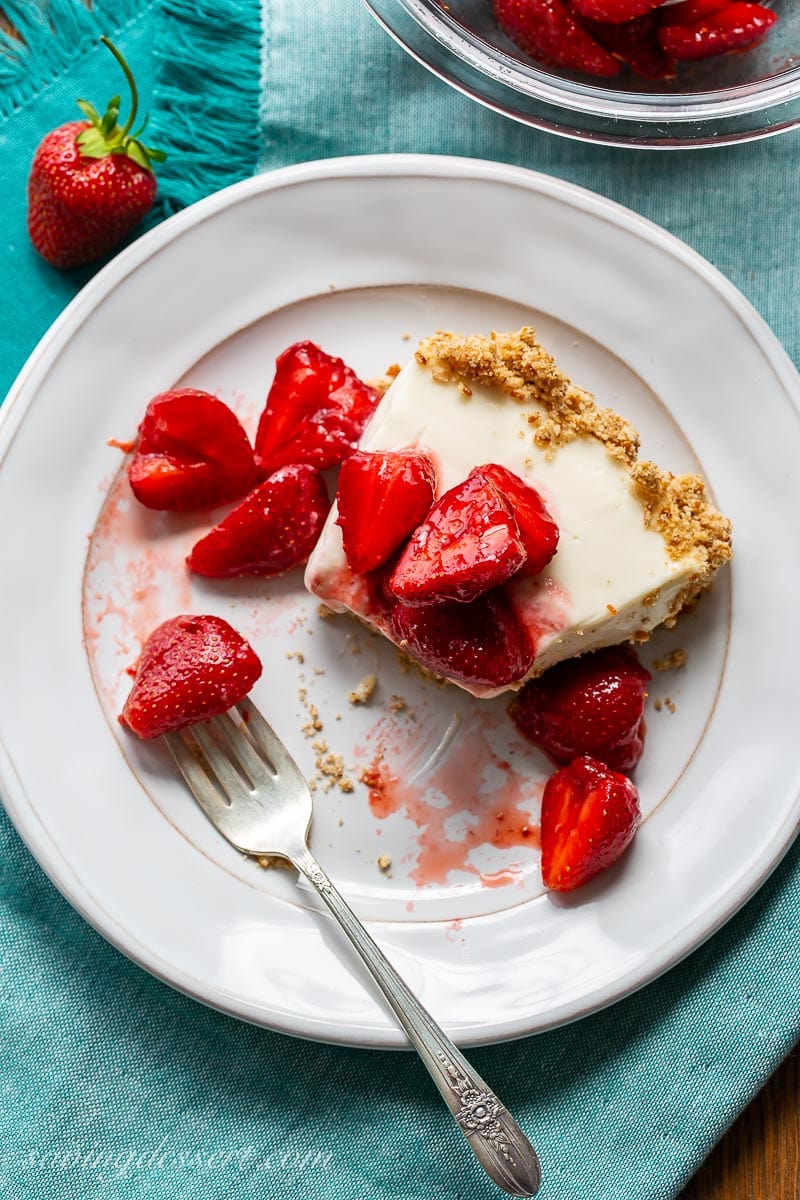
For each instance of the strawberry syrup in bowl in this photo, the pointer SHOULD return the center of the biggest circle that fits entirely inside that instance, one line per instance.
(751, 90)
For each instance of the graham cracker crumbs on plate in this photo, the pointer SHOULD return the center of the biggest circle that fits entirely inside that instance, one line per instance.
(672, 661)
(319, 670)
(406, 337)
(340, 822)
(324, 613)
(362, 693)
(611, 609)
(397, 704)
(522, 368)
(301, 658)
(313, 724)
(372, 778)
(670, 704)
(331, 765)
(273, 860)
(394, 370)
(657, 705)
(331, 771)
(384, 862)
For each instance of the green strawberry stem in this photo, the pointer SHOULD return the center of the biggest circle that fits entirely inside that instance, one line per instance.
(103, 136)
(128, 73)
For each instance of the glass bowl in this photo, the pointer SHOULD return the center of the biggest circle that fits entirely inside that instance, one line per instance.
(717, 101)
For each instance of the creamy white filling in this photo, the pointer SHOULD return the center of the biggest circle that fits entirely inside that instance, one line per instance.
(593, 591)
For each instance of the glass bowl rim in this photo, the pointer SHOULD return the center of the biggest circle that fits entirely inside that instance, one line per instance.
(587, 98)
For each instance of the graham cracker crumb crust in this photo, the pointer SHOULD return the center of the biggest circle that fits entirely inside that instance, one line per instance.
(522, 368)
(678, 507)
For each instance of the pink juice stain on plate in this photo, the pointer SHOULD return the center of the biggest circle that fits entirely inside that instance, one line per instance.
(465, 797)
(133, 580)
(136, 577)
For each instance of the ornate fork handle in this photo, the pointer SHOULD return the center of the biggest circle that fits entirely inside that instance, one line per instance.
(494, 1136)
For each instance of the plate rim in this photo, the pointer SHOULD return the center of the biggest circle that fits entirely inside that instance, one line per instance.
(23, 393)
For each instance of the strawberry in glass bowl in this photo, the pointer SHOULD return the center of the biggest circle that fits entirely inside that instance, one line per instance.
(666, 74)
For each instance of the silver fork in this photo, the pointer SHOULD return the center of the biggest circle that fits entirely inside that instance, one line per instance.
(251, 789)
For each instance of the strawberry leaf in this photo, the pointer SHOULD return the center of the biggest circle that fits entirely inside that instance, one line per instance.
(92, 144)
(137, 133)
(89, 111)
(137, 152)
(109, 122)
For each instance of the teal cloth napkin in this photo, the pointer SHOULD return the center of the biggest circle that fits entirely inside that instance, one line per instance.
(114, 1085)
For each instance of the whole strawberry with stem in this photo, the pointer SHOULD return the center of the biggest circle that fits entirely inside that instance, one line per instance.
(91, 182)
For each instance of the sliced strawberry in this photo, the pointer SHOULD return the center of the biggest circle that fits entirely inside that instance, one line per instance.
(537, 529)
(190, 669)
(589, 817)
(381, 498)
(636, 44)
(191, 453)
(695, 30)
(468, 544)
(272, 530)
(316, 410)
(614, 11)
(547, 30)
(589, 705)
(481, 643)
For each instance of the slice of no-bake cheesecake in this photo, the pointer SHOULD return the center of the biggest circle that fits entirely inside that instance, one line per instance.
(516, 450)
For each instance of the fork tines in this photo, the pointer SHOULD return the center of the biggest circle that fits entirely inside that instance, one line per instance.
(232, 764)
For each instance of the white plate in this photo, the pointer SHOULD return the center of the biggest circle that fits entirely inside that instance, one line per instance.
(357, 254)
